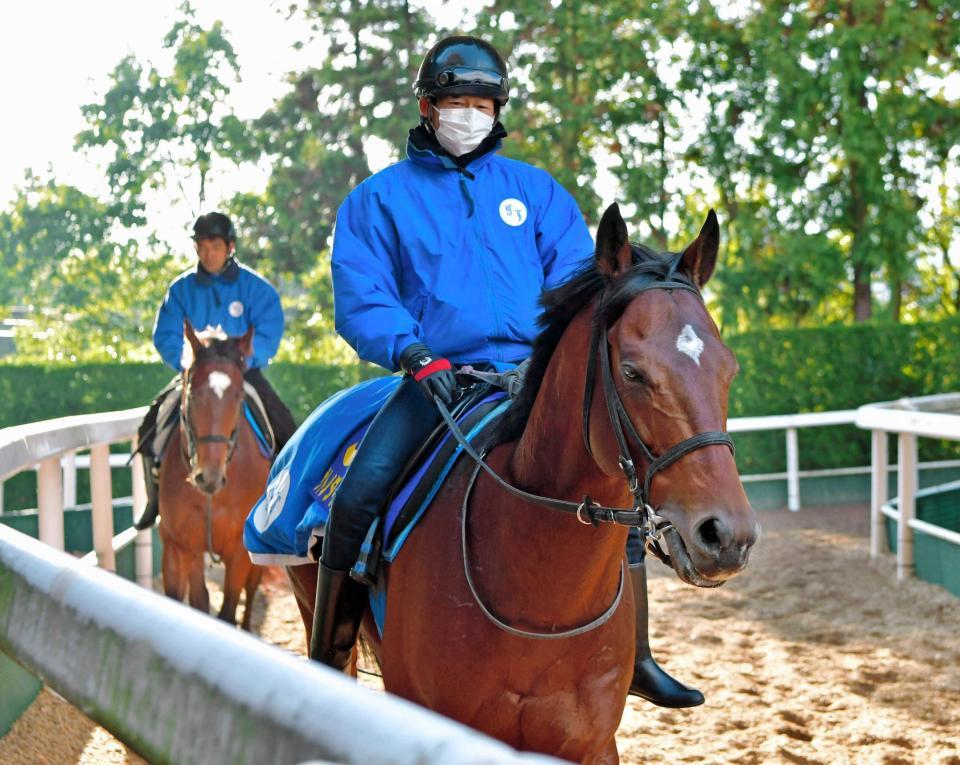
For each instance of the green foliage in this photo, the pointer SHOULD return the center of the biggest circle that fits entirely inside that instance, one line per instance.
(92, 297)
(154, 126)
(821, 132)
(835, 368)
(781, 372)
(825, 122)
(317, 135)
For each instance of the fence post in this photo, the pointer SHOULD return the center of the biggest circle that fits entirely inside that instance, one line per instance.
(143, 547)
(906, 491)
(50, 502)
(101, 514)
(69, 463)
(793, 470)
(878, 492)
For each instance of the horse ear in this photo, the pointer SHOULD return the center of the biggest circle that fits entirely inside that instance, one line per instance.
(614, 255)
(191, 337)
(700, 258)
(245, 343)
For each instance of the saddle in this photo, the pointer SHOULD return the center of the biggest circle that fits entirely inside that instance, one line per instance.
(475, 412)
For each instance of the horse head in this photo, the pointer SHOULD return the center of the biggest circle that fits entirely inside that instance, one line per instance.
(211, 403)
(672, 372)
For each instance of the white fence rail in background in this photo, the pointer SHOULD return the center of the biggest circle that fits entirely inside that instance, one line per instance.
(791, 423)
(925, 417)
(51, 447)
(181, 687)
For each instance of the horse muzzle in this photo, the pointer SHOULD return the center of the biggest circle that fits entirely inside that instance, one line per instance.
(208, 480)
(711, 552)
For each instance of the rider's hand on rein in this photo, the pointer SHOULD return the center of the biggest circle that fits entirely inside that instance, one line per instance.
(434, 374)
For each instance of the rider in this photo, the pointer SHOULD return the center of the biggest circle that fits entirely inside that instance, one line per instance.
(219, 292)
(438, 261)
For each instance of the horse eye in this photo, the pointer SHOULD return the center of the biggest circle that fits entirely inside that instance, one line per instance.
(632, 374)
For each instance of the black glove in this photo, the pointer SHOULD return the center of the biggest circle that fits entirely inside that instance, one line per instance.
(434, 374)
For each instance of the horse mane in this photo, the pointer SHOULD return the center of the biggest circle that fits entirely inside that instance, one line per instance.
(562, 303)
(216, 346)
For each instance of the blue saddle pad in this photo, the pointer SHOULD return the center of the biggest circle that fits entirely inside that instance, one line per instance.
(293, 510)
(280, 525)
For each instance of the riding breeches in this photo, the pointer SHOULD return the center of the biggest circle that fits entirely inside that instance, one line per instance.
(398, 430)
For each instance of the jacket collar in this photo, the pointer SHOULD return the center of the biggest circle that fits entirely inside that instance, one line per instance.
(424, 149)
(229, 274)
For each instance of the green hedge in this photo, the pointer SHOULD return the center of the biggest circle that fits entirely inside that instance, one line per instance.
(32, 392)
(833, 368)
(781, 372)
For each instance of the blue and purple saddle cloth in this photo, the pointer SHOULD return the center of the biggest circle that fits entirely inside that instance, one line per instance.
(286, 524)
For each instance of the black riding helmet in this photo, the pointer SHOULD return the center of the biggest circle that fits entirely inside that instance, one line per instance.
(463, 66)
(214, 226)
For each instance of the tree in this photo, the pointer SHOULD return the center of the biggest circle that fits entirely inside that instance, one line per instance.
(90, 296)
(824, 125)
(318, 139)
(153, 126)
(317, 135)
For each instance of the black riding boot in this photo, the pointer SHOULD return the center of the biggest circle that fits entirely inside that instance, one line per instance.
(151, 477)
(336, 617)
(649, 681)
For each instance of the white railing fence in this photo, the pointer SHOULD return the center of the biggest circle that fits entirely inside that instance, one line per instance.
(908, 419)
(182, 687)
(51, 448)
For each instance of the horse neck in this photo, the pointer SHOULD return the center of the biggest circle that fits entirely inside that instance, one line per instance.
(550, 456)
(550, 459)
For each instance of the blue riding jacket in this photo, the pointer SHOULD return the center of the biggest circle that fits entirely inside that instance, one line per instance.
(233, 299)
(427, 252)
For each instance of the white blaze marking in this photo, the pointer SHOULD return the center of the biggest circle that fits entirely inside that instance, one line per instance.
(219, 382)
(689, 343)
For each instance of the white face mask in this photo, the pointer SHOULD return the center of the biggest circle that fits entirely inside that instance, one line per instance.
(462, 130)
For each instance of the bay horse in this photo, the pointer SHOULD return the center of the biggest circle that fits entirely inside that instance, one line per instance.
(513, 618)
(212, 475)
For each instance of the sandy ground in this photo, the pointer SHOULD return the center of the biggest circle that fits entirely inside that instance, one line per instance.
(814, 655)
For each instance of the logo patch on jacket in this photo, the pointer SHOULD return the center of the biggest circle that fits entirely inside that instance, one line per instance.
(236, 309)
(513, 212)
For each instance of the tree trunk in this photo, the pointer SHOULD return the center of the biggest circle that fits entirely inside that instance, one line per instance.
(862, 304)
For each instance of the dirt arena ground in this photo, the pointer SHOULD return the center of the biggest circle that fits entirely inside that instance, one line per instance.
(814, 655)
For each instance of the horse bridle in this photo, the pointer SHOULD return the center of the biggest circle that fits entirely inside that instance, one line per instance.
(653, 525)
(641, 516)
(193, 440)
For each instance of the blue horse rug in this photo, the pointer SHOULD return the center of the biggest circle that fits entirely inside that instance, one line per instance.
(286, 524)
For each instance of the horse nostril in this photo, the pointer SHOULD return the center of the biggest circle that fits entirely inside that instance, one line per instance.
(714, 534)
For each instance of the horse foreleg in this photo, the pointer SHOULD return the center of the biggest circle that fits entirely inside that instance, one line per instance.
(174, 569)
(609, 755)
(199, 597)
(250, 592)
(238, 569)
